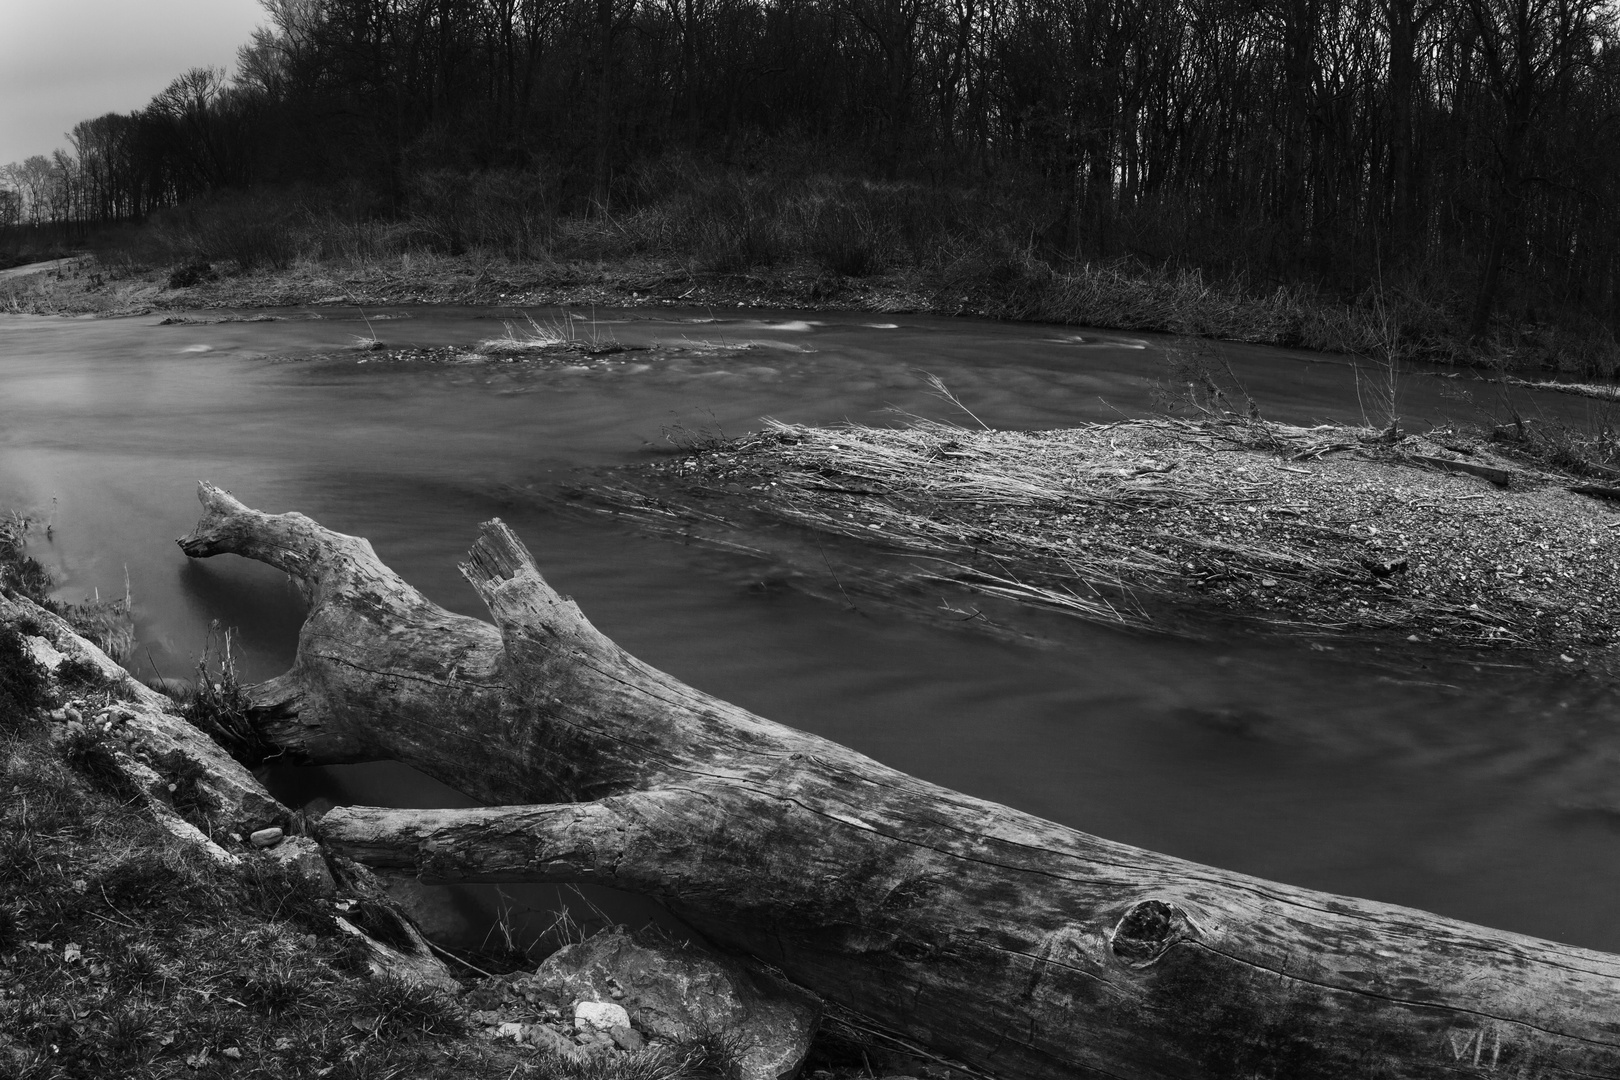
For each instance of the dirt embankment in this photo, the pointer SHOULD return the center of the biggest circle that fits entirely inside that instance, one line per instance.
(1441, 543)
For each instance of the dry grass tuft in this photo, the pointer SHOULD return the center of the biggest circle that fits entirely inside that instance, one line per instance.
(218, 705)
(562, 334)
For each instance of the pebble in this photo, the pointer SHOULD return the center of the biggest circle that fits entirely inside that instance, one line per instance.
(232, 1052)
(545, 1037)
(266, 837)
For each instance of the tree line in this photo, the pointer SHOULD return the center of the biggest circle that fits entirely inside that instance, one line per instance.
(1339, 142)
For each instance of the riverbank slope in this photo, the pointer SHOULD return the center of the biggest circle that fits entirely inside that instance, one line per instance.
(1383, 325)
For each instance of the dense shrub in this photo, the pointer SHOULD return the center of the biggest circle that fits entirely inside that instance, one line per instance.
(509, 213)
(846, 241)
(245, 228)
(192, 273)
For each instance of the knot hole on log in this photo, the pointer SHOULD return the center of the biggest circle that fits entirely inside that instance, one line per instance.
(1147, 930)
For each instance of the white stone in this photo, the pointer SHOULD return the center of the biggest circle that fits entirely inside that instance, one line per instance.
(601, 1016)
(266, 837)
(43, 652)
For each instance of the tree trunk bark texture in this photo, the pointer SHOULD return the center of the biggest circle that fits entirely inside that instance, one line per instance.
(1018, 946)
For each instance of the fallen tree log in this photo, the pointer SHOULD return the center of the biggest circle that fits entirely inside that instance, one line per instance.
(1020, 947)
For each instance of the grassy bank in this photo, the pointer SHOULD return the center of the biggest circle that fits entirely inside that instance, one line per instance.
(126, 952)
(699, 236)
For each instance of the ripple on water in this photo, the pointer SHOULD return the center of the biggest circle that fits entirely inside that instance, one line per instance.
(1085, 342)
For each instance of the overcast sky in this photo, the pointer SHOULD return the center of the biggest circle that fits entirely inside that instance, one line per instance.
(62, 61)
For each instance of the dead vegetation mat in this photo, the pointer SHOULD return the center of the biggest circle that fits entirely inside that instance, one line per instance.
(1440, 542)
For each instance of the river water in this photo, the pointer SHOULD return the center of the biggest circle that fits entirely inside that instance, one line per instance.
(1487, 794)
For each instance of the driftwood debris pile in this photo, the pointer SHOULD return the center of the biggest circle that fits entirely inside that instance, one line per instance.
(1175, 525)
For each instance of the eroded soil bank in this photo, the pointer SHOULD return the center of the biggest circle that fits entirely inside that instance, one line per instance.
(1443, 543)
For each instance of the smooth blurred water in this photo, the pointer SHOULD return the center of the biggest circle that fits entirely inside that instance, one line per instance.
(1488, 795)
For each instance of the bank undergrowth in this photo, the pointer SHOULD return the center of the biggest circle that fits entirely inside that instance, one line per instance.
(126, 952)
(691, 232)
(105, 621)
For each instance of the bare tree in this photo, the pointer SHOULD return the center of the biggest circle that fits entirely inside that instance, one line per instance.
(1530, 51)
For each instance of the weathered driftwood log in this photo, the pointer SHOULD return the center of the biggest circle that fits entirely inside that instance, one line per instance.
(1019, 946)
